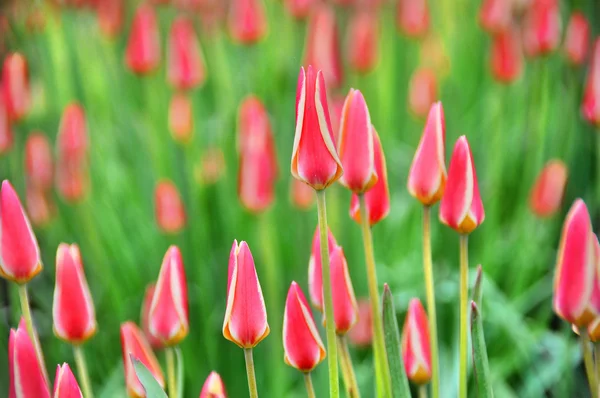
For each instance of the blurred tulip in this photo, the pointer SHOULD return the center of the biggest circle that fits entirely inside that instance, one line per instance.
(416, 352)
(245, 321)
(73, 309)
(314, 157)
(26, 379)
(181, 118)
(185, 64)
(362, 333)
(300, 9)
(590, 106)
(213, 387)
(413, 17)
(133, 344)
(548, 190)
(110, 17)
(301, 195)
(6, 133)
(363, 41)
(247, 21)
(427, 175)
(40, 206)
(168, 315)
(257, 158)
(575, 267)
(145, 318)
(461, 208)
(506, 60)
(336, 106)
(211, 166)
(345, 308)
(19, 251)
(541, 27)
(72, 146)
(422, 91)
(495, 15)
(143, 47)
(302, 344)
(169, 209)
(15, 78)
(315, 273)
(323, 47)
(38, 161)
(433, 55)
(577, 39)
(65, 384)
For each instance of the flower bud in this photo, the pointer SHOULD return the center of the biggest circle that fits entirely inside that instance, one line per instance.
(169, 210)
(247, 21)
(345, 308)
(506, 60)
(72, 178)
(323, 50)
(416, 351)
(413, 17)
(315, 273)
(155, 343)
(15, 78)
(142, 55)
(541, 27)
(213, 387)
(185, 65)
(110, 17)
(422, 91)
(39, 165)
(548, 190)
(495, 15)
(181, 118)
(362, 333)
(363, 47)
(577, 39)
(65, 384)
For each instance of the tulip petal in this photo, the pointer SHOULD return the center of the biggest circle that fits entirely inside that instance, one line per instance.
(415, 344)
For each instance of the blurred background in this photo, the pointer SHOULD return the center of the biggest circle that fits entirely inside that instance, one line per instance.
(506, 75)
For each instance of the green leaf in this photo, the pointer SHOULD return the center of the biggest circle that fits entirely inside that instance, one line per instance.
(153, 389)
(179, 372)
(480, 358)
(393, 347)
(477, 294)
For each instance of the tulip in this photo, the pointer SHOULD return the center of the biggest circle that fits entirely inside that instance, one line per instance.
(495, 15)
(145, 318)
(541, 27)
(185, 64)
(345, 308)
(110, 17)
(142, 55)
(302, 344)
(6, 133)
(577, 38)
(26, 378)
(590, 106)
(38, 161)
(413, 17)
(362, 333)
(315, 273)
(65, 384)
(422, 91)
(363, 41)
(72, 146)
(299, 9)
(433, 55)
(181, 118)
(314, 157)
(15, 76)
(211, 166)
(213, 387)
(506, 61)
(415, 344)
(169, 210)
(247, 21)
(134, 345)
(301, 195)
(547, 192)
(40, 206)
(322, 45)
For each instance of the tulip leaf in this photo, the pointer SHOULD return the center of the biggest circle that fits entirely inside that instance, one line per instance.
(153, 389)
(179, 372)
(477, 294)
(480, 358)
(393, 348)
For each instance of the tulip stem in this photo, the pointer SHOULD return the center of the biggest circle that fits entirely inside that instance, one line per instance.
(348, 374)
(464, 293)
(170, 354)
(82, 371)
(334, 382)
(381, 367)
(310, 389)
(430, 293)
(589, 363)
(423, 391)
(597, 359)
(250, 372)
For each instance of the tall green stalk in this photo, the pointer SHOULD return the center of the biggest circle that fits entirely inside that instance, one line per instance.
(430, 294)
(172, 384)
(464, 296)
(589, 363)
(84, 376)
(250, 372)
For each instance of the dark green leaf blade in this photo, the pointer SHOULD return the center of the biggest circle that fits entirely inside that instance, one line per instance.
(480, 358)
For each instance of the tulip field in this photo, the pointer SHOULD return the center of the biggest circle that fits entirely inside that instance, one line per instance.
(299, 198)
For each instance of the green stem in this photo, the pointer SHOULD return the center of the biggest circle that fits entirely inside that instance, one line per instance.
(310, 390)
(82, 371)
(423, 391)
(464, 294)
(347, 368)
(597, 359)
(430, 293)
(250, 372)
(172, 384)
(589, 363)
(334, 388)
(381, 367)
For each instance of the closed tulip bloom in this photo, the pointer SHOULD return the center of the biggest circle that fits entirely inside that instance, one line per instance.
(506, 60)
(323, 49)
(422, 91)
(363, 46)
(133, 344)
(213, 387)
(181, 118)
(142, 54)
(495, 15)
(541, 27)
(20, 257)
(40, 206)
(413, 17)
(549, 188)
(590, 106)
(65, 384)
(416, 352)
(575, 267)
(169, 210)
(314, 158)
(315, 273)
(577, 39)
(185, 64)
(245, 321)
(301, 195)
(110, 17)
(72, 147)
(247, 21)
(299, 9)
(26, 379)
(377, 198)
(39, 165)
(302, 344)
(345, 308)
(168, 315)
(145, 318)
(6, 133)
(15, 78)
(461, 208)
(362, 333)
(427, 175)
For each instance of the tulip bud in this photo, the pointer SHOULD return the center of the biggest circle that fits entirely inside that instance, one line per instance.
(213, 387)
(6, 133)
(181, 118)
(169, 210)
(363, 41)
(40, 206)
(548, 190)
(314, 158)
(258, 161)
(362, 333)
(185, 65)
(38, 161)
(65, 384)
(315, 273)
(299, 9)
(301, 195)
(302, 344)
(577, 39)
(15, 76)
(155, 343)
(72, 146)
(19, 251)
(345, 308)
(461, 208)
(413, 17)
(495, 15)
(541, 27)
(506, 61)
(427, 176)
(110, 17)
(247, 21)
(590, 106)
(133, 344)
(245, 321)
(422, 91)
(26, 378)
(416, 351)
(143, 47)
(323, 47)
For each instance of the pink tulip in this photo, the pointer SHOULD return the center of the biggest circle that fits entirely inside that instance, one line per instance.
(142, 54)
(590, 106)
(363, 47)
(185, 65)
(495, 15)
(345, 308)
(577, 39)
(39, 165)
(247, 21)
(302, 196)
(181, 118)
(169, 209)
(15, 78)
(6, 133)
(413, 17)
(422, 91)
(110, 17)
(213, 387)
(65, 384)
(506, 60)
(40, 206)
(541, 27)
(547, 193)
(362, 333)
(145, 317)
(72, 147)
(315, 273)
(299, 9)
(416, 352)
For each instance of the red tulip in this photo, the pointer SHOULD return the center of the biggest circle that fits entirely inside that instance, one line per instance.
(145, 317)
(299, 9)
(506, 61)
(547, 192)
(19, 251)
(590, 106)
(143, 48)
(377, 198)
(362, 333)
(577, 39)
(345, 308)
(245, 321)
(247, 21)
(185, 65)
(301, 195)
(461, 208)
(213, 387)
(169, 210)
(302, 344)
(413, 17)
(314, 158)
(315, 273)
(6, 133)
(15, 78)
(541, 27)
(495, 15)
(72, 146)
(40, 205)
(134, 345)
(422, 91)
(181, 118)
(416, 352)
(65, 384)
(110, 17)
(322, 45)
(363, 47)
(38, 161)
